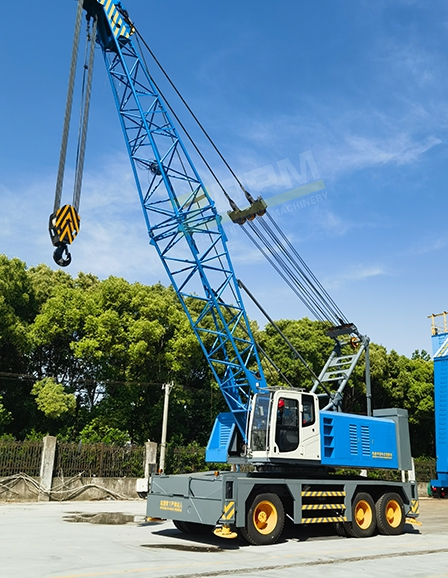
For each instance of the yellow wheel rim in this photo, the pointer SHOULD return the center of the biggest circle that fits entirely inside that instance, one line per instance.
(393, 513)
(265, 517)
(363, 514)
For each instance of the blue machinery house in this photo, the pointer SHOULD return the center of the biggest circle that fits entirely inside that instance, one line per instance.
(440, 352)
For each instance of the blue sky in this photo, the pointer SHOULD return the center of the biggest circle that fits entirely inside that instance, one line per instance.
(352, 93)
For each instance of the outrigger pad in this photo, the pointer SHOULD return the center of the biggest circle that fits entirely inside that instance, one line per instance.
(58, 255)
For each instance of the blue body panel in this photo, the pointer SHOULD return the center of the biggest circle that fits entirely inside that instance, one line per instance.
(357, 441)
(220, 438)
(440, 351)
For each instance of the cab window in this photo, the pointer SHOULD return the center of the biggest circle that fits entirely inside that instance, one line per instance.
(308, 415)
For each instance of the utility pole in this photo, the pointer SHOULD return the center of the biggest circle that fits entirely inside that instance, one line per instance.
(167, 387)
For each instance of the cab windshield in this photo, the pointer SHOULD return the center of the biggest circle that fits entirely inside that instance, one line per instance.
(260, 422)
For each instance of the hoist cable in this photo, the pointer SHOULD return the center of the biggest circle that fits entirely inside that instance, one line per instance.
(286, 340)
(283, 276)
(299, 274)
(308, 296)
(301, 279)
(87, 86)
(68, 108)
(321, 288)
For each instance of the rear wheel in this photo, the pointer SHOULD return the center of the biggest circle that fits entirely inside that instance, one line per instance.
(390, 514)
(363, 522)
(264, 521)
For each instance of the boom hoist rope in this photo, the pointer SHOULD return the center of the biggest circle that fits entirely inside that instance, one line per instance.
(64, 221)
(266, 235)
(314, 295)
(293, 269)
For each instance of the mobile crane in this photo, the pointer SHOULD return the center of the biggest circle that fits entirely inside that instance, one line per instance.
(292, 441)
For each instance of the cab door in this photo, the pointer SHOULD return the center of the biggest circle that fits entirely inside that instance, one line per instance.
(296, 433)
(309, 447)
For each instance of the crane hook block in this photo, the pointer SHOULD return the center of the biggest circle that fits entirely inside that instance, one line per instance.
(58, 255)
(63, 227)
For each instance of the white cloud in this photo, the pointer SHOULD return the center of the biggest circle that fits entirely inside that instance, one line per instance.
(357, 152)
(429, 244)
(112, 239)
(355, 274)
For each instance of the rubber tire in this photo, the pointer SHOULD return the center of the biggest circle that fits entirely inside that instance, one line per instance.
(180, 526)
(363, 524)
(192, 527)
(264, 508)
(390, 514)
(341, 530)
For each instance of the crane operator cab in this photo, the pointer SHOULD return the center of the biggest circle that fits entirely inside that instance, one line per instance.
(284, 425)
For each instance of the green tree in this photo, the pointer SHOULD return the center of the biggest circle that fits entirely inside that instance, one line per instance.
(18, 307)
(97, 431)
(51, 398)
(5, 416)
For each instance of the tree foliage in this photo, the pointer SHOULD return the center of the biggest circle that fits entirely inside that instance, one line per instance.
(86, 359)
(51, 398)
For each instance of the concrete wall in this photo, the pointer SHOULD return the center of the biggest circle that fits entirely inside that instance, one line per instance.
(23, 488)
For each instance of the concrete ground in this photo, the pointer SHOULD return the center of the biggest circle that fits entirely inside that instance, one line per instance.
(110, 539)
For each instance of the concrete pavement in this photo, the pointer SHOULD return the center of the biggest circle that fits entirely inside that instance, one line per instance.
(110, 539)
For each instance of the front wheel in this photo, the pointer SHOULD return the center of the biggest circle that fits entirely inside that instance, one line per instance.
(192, 527)
(390, 514)
(363, 522)
(264, 521)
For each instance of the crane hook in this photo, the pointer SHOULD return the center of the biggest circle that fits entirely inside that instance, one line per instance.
(62, 248)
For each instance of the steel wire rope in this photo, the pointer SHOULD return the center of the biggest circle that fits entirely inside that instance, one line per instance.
(282, 275)
(333, 311)
(308, 298)
(68, 108)
(295, 276)
(293, 269)
(311, 274)
(84, 114)
(306, 284)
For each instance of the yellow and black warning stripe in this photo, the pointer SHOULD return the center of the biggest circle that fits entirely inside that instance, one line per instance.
(65, 225)
(415, 508)
(324, 520)
(229, 511)
(322, 494)
(118, 26)
(323, 507)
